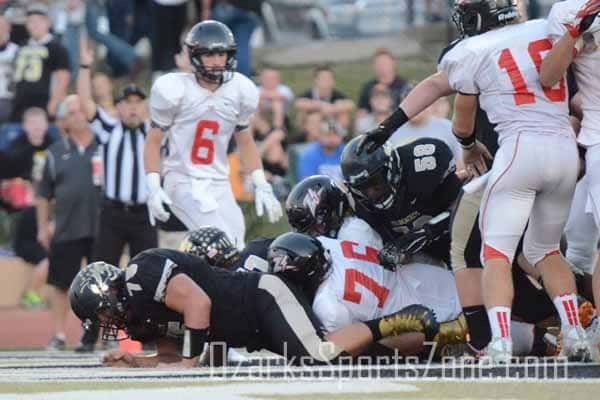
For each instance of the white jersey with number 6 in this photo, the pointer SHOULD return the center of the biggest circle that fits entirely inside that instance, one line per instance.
(502, 67)
(359, 289)
(199, 123)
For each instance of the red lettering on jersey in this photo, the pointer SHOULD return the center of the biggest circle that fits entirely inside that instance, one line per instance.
(535, 50)
(349, 251)
(201, 142)
(522, 94)
(354, 277)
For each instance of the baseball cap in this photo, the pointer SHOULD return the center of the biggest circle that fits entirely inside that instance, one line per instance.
(130, 90)
(37, 9)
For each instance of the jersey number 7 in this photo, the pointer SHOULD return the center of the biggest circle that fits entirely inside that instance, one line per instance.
(203, 149)
(522, 94)
(355, 277)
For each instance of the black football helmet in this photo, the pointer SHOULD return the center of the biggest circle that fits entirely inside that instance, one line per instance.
(374, 178)
(299, 258)
(473, 17)
(99, 288)
(208, 37)
(211, 244)
(317, 206)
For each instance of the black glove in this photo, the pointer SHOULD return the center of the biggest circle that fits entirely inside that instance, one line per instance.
(373, 139)
(390, 258)
(587, 22)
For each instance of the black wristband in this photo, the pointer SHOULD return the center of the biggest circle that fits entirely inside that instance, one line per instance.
(84, 66)
(466, 142)
(395, 121)
(193, 342)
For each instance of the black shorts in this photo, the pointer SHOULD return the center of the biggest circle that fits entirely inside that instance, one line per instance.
(26, 245)
(279, 304)
(65, 261)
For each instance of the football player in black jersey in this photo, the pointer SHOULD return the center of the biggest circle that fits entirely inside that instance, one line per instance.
(165, 295)
(404, 193)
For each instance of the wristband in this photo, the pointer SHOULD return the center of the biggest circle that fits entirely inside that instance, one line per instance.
(466, 142)
(153, 181)
(193, 342)
(395, 121)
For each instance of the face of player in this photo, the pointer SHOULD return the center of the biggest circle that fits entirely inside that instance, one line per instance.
(38, 26)
(214, 61)
(131, 111)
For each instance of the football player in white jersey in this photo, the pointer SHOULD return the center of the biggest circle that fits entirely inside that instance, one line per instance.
(535, 169)
(350, 286)
(576, 40)
(196, 114)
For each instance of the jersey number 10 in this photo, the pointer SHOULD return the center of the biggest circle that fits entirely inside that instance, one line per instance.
(203, 149)
(522, 94)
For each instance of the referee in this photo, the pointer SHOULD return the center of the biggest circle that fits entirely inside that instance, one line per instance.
(123, 214)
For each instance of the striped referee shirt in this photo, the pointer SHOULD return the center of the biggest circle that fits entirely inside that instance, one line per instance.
(123, 158)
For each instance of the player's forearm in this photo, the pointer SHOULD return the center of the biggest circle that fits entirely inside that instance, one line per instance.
(463, 120)
(425, 94)
(152, 151)
(557, 61)
(249, 154)
(84, 91)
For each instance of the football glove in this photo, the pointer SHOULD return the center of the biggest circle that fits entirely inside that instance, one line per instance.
(586, 20)
(156, 199)
(378, 136)
(264, 198)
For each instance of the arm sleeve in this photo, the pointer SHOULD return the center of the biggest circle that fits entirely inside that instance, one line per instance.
(60, 58)
(461, 67)
(165, 97)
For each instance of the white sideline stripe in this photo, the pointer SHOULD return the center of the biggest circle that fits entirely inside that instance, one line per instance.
(296, 317)
(233, 391)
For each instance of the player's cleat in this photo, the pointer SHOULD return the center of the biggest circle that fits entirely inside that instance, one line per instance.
(498, 351)
(413, 318)
(56, 343)
(574, 344)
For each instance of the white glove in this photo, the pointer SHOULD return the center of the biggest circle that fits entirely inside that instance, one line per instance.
(157, 197)
(264, 197)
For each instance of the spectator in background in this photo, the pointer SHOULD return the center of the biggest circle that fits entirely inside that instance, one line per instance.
(275, 98)
(271, 143)
(168, 18)
(41, 67)
(25, 159)
(8, 52)
(241, 16)
(70, 179)
(381, 103)
(384, 67)
(311, 127)
(323, 157)
(17, 15)
(102, 88)
(123, 213)
(323, 97)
